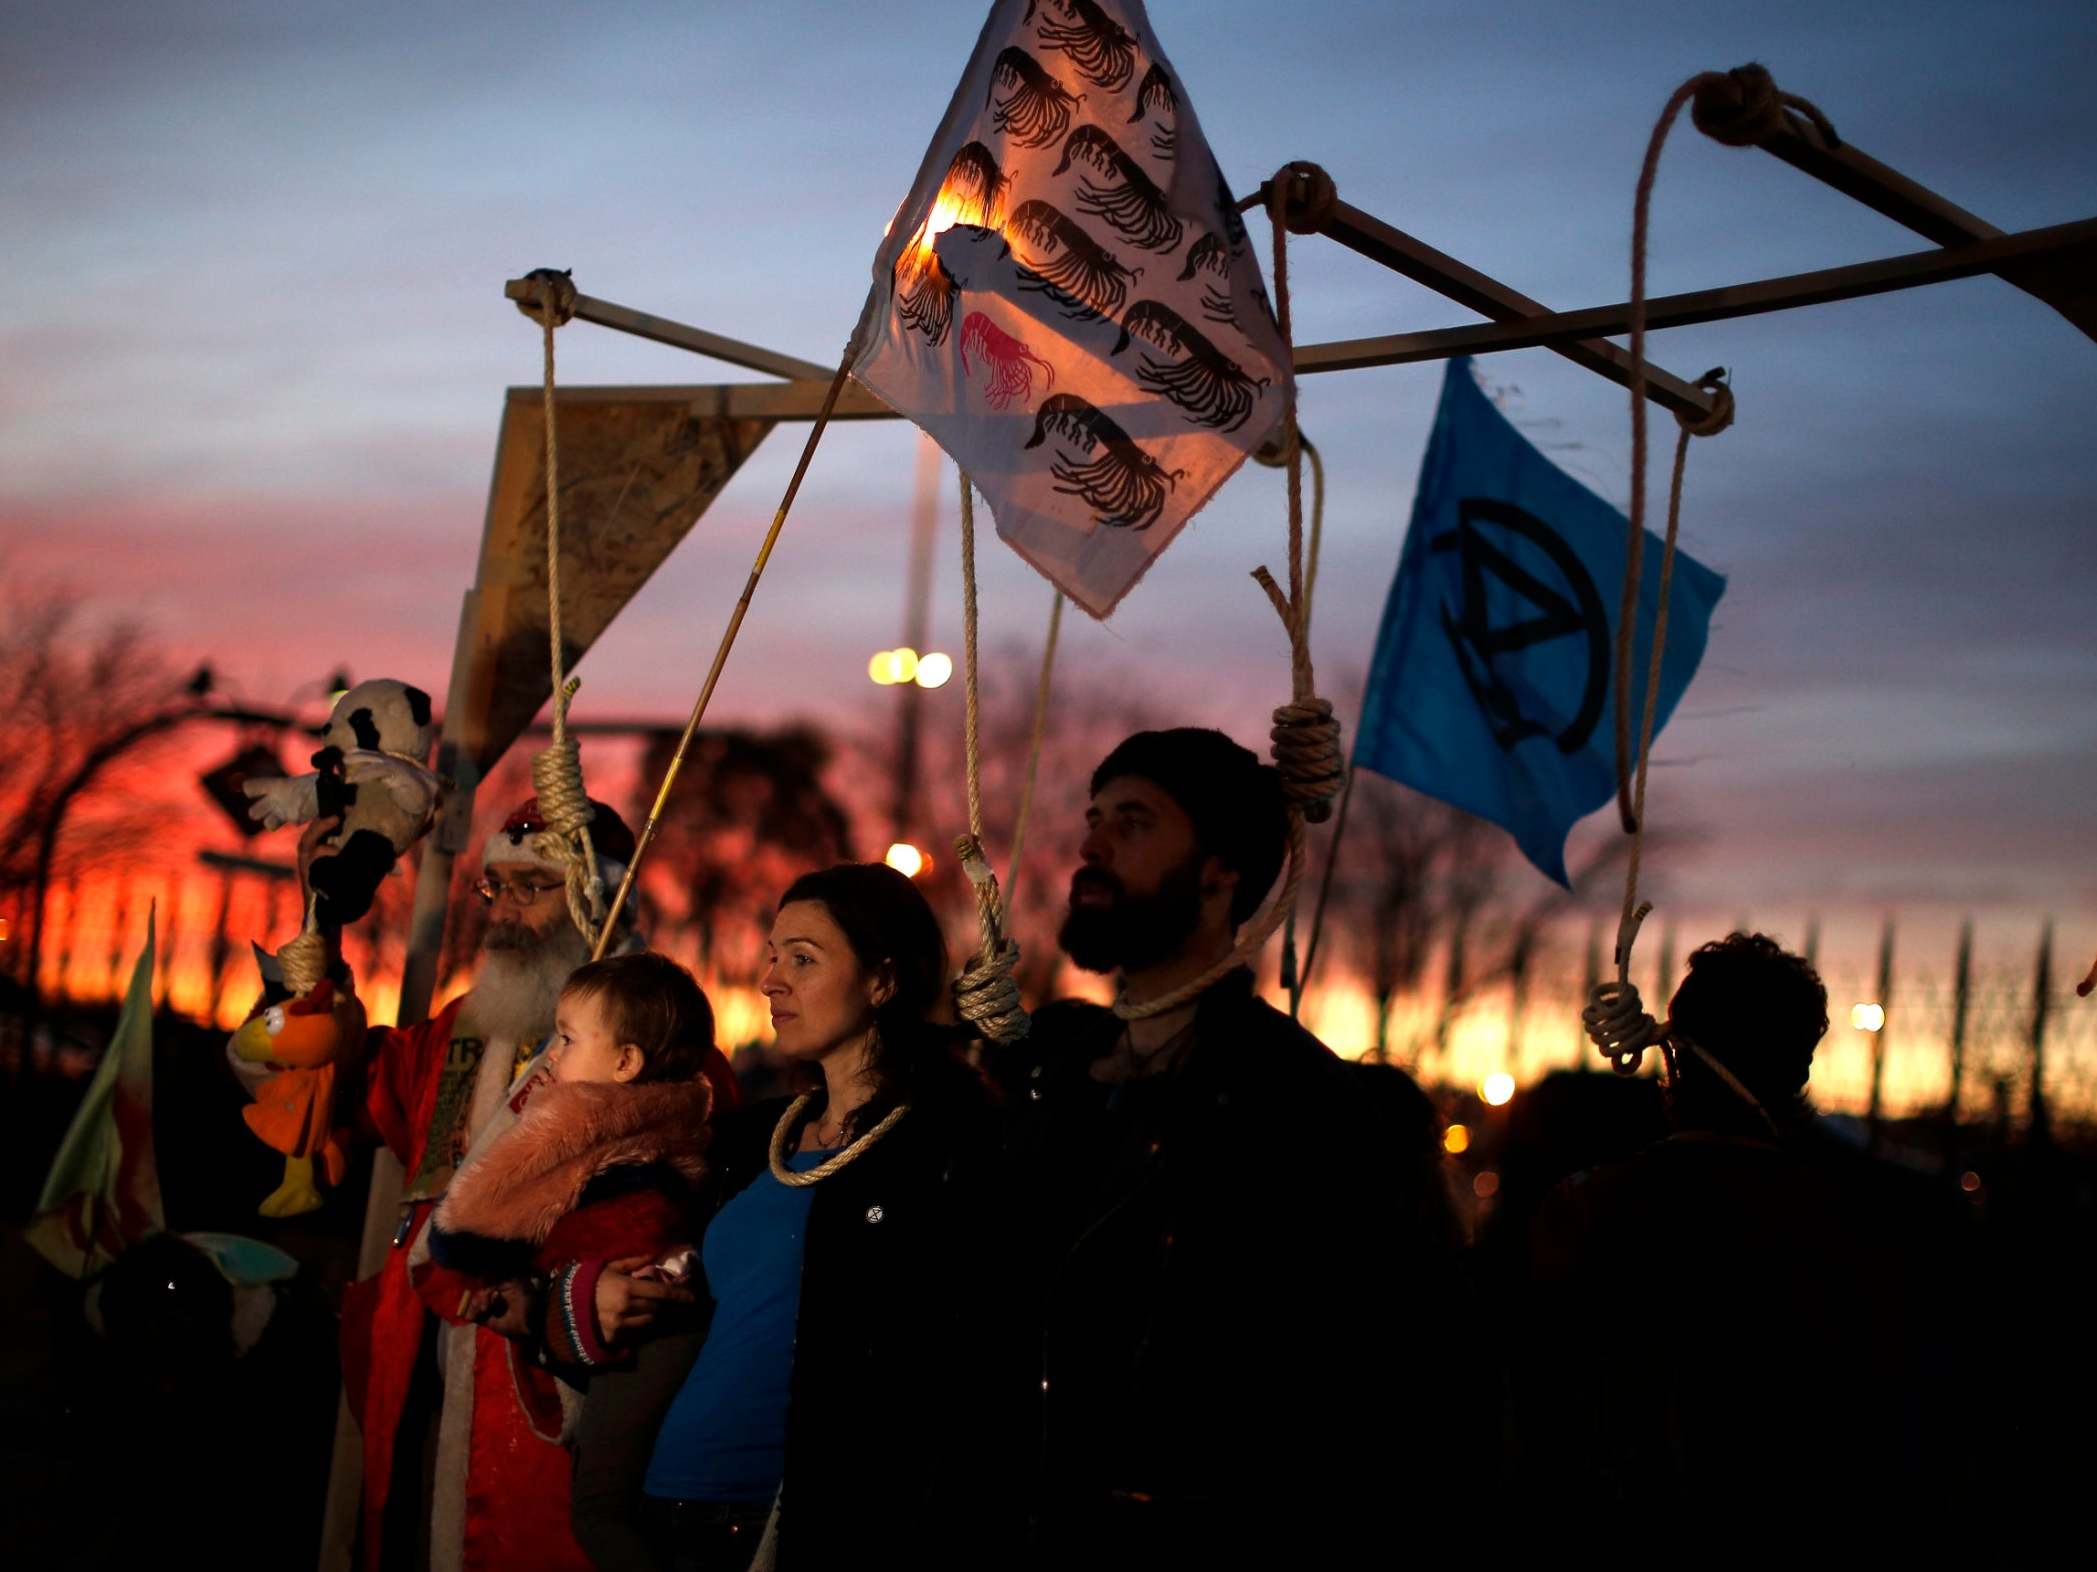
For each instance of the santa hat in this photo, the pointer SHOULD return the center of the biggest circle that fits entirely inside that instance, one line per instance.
(511, 846)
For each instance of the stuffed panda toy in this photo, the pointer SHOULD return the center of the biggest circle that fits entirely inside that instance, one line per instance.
(371, 773)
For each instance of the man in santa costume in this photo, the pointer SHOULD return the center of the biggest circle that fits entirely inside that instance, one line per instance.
(462, 1471)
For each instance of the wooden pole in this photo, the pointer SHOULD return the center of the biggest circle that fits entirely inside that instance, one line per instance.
(678, 335)
(1517, 322)
(1583, 330)
(452, 831)
(1857, 175)
(1403, 253)
(425, 946)
(1878, 1038)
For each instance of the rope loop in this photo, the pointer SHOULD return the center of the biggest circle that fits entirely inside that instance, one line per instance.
(1302, 195)
(987, 995)
(565, 805)
(1306, 750)
(1714, 383)
(303, 961)
(987, 992)
(799, 1180)
(1618, 1023)
(1744, 106)
(556, 294)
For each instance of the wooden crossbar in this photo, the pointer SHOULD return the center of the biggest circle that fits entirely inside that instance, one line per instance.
(2072, 243)
(2071, 248)
(2066, 284)
(1403, 253)
(679, 335)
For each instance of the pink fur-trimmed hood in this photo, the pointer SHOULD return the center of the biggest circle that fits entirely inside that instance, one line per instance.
(534, 1173)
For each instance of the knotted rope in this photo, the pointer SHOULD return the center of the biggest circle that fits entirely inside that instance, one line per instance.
(987, 991)
(303, 961)
(557, 776)
(1616, 1019)
(829, 1165)
(1301, 196)
(1743, 107)
(1305, 737)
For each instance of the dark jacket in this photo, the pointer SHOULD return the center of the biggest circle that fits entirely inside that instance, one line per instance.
(1728, 1326)
(882, 1442)
(1223, 1280)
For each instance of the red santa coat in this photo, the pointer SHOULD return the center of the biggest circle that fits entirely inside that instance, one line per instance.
(516, 1486)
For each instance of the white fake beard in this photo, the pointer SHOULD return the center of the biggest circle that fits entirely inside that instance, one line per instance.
(513, 998)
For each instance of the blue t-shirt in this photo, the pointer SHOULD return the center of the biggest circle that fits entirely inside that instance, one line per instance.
(724, 1438)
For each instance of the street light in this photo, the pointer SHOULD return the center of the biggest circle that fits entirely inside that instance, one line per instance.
(889, 667)
(1868, 1017)
(907, 860)
(1498, 1089)
(902, 667)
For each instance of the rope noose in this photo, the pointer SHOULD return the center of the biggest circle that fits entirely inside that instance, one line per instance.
(564, 802)
(1305, 737)
(987, 992)
(303, 960)
(778, 1154)
(1740, 108)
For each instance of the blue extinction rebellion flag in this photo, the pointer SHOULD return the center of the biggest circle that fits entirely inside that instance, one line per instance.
(1491, 684)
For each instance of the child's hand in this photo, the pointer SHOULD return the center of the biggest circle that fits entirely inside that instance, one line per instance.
(626, 1303)
(504, 1309)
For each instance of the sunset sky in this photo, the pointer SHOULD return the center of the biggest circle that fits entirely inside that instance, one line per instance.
(255, 345)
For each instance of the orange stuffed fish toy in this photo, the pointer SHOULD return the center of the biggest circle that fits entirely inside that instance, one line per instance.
(303, 1040)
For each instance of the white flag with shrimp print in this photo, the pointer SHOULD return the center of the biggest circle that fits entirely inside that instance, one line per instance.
(1067, 302)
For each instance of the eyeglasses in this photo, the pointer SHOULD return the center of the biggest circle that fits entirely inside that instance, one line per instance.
(523, 893)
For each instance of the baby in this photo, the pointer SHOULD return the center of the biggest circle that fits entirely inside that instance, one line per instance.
(599, 1165)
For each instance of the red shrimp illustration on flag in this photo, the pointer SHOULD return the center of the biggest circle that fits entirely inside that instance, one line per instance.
(1012, 365)
(1066, 302)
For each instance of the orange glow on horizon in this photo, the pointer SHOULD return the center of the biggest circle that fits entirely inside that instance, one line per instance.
(98, 927)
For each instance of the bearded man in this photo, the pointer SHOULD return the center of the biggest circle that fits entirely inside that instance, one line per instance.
(1209, 1226)
(462, 1461)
